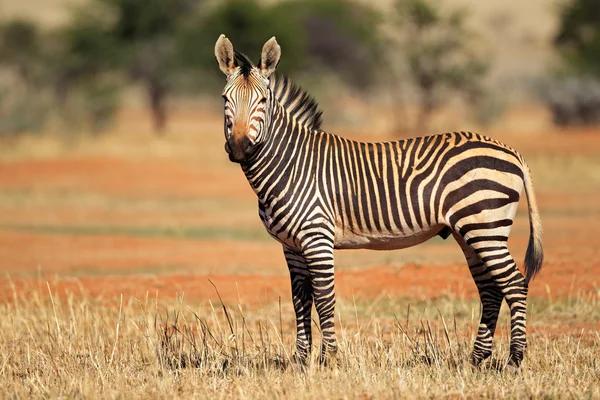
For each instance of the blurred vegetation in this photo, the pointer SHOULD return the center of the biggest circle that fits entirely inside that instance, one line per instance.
(439, 60)
(23, 106)
(133, 38)
(166, 48)
(573, 91)
(77, 74)
(578, 36)
(338, 35)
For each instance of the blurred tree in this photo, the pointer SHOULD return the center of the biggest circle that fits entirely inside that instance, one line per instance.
(438, 58)
(23, 108)
(83, 57)
(20, 48)
(572, 100)
(147, 31)
(573, 92)
(167, 47)
(137, 37)
(248, 24)
(578, 37)
(339, 35)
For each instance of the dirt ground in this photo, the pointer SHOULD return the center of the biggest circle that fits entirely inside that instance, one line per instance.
(127, 214)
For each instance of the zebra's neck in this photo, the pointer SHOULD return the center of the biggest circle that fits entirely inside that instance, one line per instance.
(277, 154)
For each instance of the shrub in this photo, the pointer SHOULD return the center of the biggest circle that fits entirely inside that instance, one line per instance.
(572, 100)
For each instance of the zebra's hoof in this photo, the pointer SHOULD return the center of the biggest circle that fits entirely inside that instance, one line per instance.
(299, 360)
(477, 359)
(328, 356)
(511, 368)
(514, 362)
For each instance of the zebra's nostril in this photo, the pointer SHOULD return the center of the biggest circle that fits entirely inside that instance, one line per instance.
(246, 145)
(239, 150)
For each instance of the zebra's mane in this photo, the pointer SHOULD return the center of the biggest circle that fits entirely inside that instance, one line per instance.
(244, 63)
(298, 103)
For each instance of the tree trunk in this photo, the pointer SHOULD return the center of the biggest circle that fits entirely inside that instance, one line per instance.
(157, 93)
(427, 106)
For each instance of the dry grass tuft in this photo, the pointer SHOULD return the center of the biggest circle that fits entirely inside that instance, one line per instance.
(76, 346)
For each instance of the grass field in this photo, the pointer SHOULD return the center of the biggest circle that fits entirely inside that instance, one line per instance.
(75, 346)
(110, 247)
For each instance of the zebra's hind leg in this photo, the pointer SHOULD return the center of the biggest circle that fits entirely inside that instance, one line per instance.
(501, 273)
(491, 300)
(302, 297)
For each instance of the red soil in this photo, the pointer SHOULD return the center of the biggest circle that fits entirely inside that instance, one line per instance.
(414, 281)
(253, 269)
(116, 176)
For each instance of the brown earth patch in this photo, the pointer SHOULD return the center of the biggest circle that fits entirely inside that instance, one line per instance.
(22, 253)
(117, 176)
(411, 281)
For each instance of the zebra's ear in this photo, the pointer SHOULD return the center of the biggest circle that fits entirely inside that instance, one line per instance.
(225, 55)
(269, 58)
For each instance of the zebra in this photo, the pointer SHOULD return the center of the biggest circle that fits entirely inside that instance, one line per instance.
(318, 192)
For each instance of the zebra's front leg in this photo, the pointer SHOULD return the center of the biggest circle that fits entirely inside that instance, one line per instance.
(319, 259)
(302, 297)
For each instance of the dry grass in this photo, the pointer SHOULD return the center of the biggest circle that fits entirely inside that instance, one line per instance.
(76, 346)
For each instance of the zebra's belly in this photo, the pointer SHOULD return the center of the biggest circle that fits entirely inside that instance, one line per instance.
(385, 241)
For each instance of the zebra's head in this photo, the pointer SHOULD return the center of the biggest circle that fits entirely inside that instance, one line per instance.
(246, 96)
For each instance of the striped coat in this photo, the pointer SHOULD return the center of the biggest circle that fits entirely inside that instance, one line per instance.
(318, 192)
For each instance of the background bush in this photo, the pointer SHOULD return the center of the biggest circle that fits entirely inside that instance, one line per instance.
(420, 51)
(573, 95)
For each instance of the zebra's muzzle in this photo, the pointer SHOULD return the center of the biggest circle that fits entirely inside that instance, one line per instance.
(239, 150)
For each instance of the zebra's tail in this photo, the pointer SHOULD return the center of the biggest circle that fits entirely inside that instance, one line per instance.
(535, 253)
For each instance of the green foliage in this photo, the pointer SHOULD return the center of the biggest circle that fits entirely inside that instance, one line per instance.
(23, 106)
(100, 101)
(572, 100)
(419, 13)
(21, 51)
(338, 35)
(573, 92)
(578, 37)
(19, 43)
(82, 53)
(21, 113)
(85, 46)
(136, 20)
(135, 38)
(439, 58)
(143, 34)
(167, 47)
(248, 24)
(68, 62)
